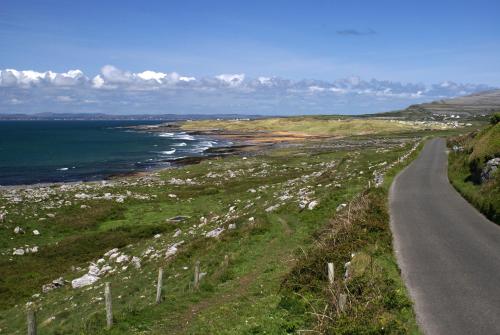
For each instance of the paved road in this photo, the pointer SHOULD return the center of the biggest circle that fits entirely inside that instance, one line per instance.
(448, 252)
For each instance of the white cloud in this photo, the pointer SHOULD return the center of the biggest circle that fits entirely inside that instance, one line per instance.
(231, 79)
(232, 92)
(114, 75)
(28, 78)
(152, 75)
(316, 89)
(97, 82)
(187, 79)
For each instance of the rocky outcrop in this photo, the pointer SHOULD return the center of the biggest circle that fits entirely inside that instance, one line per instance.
(56, 283)
(489, 170)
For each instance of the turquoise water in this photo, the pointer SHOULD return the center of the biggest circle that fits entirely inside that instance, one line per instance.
(56, 151)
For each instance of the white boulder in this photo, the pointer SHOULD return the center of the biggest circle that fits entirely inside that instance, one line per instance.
(215, 233)
(136, 262)
(18, 252)
(85, 280)
(312, 205)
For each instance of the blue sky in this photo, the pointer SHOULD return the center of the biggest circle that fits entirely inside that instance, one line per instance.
(422, 42)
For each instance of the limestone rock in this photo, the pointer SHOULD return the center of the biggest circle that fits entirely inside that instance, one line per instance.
(85, 280)
(490, 169)
(215, 233)
(136, 262)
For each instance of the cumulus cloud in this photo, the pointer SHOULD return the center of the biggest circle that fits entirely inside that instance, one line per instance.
(231, 79)
(28, 78)
(155, 91)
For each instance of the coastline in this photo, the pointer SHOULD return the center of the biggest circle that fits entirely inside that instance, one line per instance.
(211, 153)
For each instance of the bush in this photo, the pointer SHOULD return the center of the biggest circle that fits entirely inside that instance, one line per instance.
(495, 118)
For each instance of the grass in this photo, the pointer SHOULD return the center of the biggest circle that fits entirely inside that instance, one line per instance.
(486, 144)
(377, 301)
(312, 125)
(465, 166)
(256, 292)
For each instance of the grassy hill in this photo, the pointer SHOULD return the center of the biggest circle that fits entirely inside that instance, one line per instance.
(467, 161)
(472, 107)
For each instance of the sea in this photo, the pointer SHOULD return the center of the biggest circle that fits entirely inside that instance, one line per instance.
(34, 152)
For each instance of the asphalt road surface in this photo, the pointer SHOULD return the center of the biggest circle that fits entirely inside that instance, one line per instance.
(448, 252)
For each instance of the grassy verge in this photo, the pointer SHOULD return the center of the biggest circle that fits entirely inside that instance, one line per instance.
(467, 158)
(359, 244)
(485, 197)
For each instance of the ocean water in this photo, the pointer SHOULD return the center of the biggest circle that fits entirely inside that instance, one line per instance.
(60, 151)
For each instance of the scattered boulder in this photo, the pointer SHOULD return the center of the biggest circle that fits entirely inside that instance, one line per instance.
(104, 270)
(172, 250)
(93, 270)
(490, 169)
(110, 252)
(272, 208)
(56, 283)
(85, 280)
(18, 230)
(341, 207)
(136, 262)
(122, 258)
(232, 226)
(179, 218)
(18, 252)
(215, 233)
(36, 232)
(312, 205)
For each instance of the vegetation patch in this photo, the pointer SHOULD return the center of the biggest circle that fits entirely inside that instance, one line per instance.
(367, 295)
(472, 169)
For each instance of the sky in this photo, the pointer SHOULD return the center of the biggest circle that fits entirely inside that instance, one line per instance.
(317, 56)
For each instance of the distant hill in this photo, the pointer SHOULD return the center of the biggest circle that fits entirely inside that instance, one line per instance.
(107, 117)
(477, 105)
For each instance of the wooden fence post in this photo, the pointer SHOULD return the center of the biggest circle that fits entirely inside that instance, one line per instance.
(109, 306)
(159, 285)
(31, 318)
(342, 301)
(197, 275)
(331, 273)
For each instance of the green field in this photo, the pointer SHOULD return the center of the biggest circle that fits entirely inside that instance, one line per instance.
(316, 125)
(283, 213)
